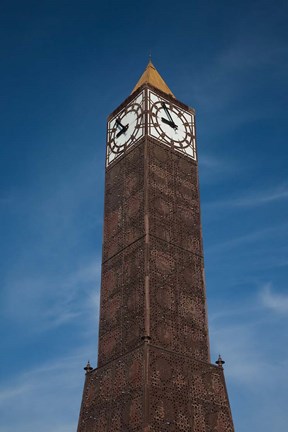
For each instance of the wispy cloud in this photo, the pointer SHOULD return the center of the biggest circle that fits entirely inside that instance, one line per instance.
(274, 301)
(229, 78)
(254, 199)
(51, 300)
(213, 169)
(36, 397)
(211, 162)
(248, 361)
(253, 370)
(260, 198)
(250, 237)
(231, 68)
(13, 392)
(235, 344)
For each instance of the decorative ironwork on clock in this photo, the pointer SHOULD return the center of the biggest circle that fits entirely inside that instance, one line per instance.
(125, 129)
(172, 125)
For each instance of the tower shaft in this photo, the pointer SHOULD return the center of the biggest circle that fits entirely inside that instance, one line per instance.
(152, 279)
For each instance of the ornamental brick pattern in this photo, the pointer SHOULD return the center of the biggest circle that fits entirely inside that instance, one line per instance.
(154, 372)
(155, 390)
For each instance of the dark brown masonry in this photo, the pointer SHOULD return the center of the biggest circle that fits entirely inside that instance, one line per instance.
(154, 372)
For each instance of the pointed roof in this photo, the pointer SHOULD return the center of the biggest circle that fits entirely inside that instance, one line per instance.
(152, 76)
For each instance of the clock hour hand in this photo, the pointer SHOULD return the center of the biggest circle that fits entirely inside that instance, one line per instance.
(123, 130)
(170, 123)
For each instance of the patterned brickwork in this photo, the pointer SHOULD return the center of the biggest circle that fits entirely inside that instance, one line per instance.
(122, 288)
(155, 390)
(124, 202)
(122, 303)
(174, 212)
(186, 395)
(177, 304)
(177, 290)
(177, 300)
(113, 397)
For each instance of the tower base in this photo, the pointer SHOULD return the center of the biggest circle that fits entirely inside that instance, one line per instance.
(155, 390)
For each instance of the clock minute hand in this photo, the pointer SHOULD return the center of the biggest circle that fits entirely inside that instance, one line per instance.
(167, 112)
(119, 124)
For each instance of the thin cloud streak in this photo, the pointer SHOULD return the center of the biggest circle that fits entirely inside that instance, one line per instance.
(31, 394)
(247, 361)
(257, 199)
(53, 301)
(248, 238)
(231, 68)
(214, 169)
(276, 302)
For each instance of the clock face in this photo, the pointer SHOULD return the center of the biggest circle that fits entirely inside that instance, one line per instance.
(125, 129)
(172, 125)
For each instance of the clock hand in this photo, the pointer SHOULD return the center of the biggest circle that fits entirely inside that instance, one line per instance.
(119, 124)
(123, 130)
(167, 112)
(170, 123)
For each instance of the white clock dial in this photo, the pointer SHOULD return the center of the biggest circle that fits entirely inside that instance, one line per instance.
(125, 129)
(172, 125)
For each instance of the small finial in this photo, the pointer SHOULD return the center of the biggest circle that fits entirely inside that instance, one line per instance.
(220, 362)
(88, 367)
(150, 57)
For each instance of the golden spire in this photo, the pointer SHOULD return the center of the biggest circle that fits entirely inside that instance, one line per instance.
(151, 76)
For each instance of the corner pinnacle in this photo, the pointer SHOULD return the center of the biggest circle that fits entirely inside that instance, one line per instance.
(88, 367)
(220, 362)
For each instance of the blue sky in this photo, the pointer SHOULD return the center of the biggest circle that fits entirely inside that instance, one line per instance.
(65, 66)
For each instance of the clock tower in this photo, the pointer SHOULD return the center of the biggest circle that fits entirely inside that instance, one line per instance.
(154, 372)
